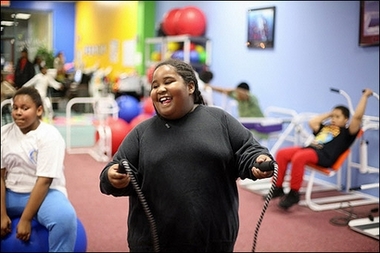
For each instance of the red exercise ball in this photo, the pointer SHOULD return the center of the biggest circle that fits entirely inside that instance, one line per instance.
(119, 129)
(148, 106)
(137, 120)
(149, 73)
(191, 21)
(169, 22)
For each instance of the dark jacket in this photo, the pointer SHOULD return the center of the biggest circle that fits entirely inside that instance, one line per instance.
(23, 75)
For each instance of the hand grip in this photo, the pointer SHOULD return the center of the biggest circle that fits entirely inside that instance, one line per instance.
(265, 166)
(123, 165)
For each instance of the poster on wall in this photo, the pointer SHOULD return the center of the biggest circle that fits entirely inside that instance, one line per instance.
(369, 23)
(129, 49)
(261, 28)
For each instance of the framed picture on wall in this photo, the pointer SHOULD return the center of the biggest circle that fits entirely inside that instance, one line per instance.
(261, 28)
(369, 23)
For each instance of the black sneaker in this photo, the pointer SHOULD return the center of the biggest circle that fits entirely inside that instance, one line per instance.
(293, 197)
(277, 192)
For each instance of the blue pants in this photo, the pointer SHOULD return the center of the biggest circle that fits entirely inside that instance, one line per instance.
(56, 213)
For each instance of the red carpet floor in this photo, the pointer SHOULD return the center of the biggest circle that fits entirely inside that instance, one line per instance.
(296, 230)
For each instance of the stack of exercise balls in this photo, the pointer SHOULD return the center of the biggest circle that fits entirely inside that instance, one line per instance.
(131, 113)
(188, 20)
(197, 54)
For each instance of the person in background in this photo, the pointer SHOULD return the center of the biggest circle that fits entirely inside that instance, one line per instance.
(38, 63)
(204, 78)
(186, 160)
(59, 65)
(33, 184)
(41, 82)
(24, 70)
(334, 134)
(248, 104)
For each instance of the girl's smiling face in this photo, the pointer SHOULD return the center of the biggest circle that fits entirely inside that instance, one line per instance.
(171, 96)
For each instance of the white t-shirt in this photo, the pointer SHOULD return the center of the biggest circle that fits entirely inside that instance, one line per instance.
(40, 152)
(41, 82)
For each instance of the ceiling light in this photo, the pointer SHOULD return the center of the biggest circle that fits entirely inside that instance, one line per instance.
(7, 23)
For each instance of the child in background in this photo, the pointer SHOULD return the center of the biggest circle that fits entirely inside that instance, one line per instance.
(334, 134)
(41, 82)
(33, 184)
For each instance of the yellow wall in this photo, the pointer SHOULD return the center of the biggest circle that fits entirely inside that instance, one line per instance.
(102, 27)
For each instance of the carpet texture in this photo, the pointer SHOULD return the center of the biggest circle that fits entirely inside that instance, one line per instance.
(297, 230)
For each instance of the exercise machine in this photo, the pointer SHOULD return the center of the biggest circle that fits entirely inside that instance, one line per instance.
(283, 125)
(346, 197)
(103, 107)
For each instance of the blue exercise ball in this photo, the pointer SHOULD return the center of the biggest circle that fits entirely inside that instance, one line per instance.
(81, 242)
(129, 107)
(194, 56)
(39, 239)
(179, 55)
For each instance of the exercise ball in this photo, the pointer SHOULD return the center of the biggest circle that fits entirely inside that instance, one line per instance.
(148, 107)
(179, 54)
(119, 129)
(169, 22)
(39, 239)
(199, 48)
(194, 56)
(149, 73)
(81, 242)
(174, 46)
(191, 21)
(155, 56)
(129, 107)
(202, 57)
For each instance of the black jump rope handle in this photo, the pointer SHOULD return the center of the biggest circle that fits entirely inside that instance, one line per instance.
(123, 165)
(265, 166)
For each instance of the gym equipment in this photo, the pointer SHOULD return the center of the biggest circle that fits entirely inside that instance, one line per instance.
(194, 56)
(189, 43)
(170, 21)
(129, 107)
(174, 46)
(5, 103)
(148, 107)
(103, 108)
(191, 21)
(155, 56)
(39, 241)
(119, 129)
(367, 226)
(179, 54)
(350, 196)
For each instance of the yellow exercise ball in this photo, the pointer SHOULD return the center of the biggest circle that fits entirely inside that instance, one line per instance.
(155, 56)
(174, 46)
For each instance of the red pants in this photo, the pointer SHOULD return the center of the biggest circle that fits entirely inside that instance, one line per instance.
(298, 157)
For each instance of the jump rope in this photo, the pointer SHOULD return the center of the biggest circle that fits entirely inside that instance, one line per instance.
(126, 169)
